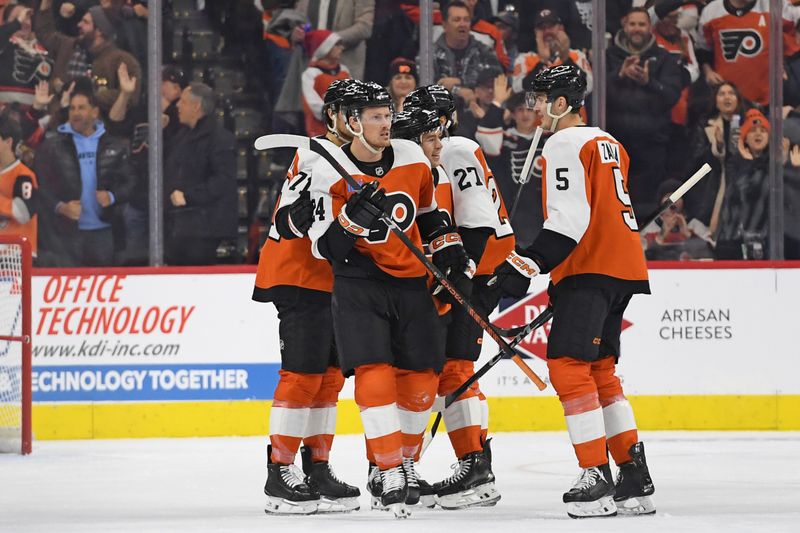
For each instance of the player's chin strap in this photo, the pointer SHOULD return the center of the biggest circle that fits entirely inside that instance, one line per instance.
(556, 118)
(360, 136)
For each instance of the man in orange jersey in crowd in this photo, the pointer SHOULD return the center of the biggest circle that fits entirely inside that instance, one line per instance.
(304, 405)
(382, 308)
(17, 186)
(590, 247)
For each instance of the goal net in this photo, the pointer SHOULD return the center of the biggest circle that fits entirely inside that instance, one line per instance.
(15, 345)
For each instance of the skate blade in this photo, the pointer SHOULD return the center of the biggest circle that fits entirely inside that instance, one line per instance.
(603, 507)
(338, 505)
(400, 510)
(638, 505)
(281, 506)
(428, 502)
(376, 505)
(485, 495)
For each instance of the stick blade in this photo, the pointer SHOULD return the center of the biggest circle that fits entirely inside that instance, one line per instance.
(280, 140)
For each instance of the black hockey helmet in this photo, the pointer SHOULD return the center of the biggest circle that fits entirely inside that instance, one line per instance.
(434, 98)
(412, 124)
(360, 95)
(568, 81)
(333, 98)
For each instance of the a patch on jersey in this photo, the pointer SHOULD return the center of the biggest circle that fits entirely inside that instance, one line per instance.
(735, 42)
(609, 152)
(379, 171)
(350, 188)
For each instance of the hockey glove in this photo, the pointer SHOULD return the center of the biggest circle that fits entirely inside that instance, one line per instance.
(363, 209)
(24, 203)
(513, 276)
(301, 214)
(451, 258)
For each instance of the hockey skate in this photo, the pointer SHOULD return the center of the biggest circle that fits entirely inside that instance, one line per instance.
(336, 496)
(420, 492)
(395, 496)
(471, 485)
(375, 487)
(286, 491)
(592, 495)
(634, 485)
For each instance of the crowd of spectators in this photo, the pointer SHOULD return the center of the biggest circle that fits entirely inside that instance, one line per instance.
(686, 84)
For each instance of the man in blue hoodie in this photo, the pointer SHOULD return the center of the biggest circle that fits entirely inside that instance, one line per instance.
(84, 174)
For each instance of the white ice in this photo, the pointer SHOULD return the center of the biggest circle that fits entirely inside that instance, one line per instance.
(731, 482)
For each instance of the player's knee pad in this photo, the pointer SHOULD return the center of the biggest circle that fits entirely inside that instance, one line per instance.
(296, 388)
(375, 385)
(416, 389)
(332, 383)
(454, 373)
(609, 387)
(571, 378)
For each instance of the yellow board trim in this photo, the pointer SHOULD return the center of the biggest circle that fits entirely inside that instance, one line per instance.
(219, 418)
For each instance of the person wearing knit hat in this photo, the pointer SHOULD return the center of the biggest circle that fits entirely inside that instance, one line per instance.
(403, 79)
(324, 48)
(754, 134)
(102, 22)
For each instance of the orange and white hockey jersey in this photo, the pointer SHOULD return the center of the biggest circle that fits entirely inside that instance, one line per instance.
(409, 192)
(585, 197)
(475, 199)
(315, 81)
(739, 41)
(8, 225)
(289, 262)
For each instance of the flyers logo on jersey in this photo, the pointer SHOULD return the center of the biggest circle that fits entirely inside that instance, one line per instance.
(403, 211)
(740, 42)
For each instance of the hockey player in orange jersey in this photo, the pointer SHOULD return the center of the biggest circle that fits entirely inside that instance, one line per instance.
(381, 305)
(299, 284)
(590, 247)
(467, 190)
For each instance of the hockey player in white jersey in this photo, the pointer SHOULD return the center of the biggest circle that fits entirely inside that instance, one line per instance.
(299, 285)
(473, 200)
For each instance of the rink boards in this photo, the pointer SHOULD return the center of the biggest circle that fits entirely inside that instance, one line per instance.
(185, 352)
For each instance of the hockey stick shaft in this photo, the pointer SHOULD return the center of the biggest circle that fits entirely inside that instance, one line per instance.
(274, 141)
(538, 322)
(677, 195)
(526, 169)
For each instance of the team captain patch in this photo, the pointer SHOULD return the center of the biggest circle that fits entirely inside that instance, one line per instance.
(609, 152)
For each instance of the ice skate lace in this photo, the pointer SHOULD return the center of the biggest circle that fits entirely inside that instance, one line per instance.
(393, 479)
(411, 474)
(292, 476)
(588, 479)
(461, 469)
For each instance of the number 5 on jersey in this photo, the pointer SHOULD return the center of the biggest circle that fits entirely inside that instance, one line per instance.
(623, 196)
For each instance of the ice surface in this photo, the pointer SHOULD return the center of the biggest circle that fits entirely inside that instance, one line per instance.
(731, 482)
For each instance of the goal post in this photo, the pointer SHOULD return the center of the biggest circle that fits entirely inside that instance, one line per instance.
(15, 345)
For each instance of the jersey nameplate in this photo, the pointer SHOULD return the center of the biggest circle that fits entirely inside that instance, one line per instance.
(609, 152)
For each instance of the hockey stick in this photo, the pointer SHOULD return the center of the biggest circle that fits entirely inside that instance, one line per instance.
(548, 312)
(526, 169)
(296, 141)
(538, 322)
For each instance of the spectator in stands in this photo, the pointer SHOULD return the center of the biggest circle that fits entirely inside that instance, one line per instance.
(68, 13)
(283, 30)
(552, 49)
(18, 199)
(791, 186)
(644, 82)
(393, 35)
(403, 79)
(734, 44)
(479, 101)
(351, 20)
(506, 154)
(577, 17)
(24, 61)
(324, 48)
(93, 52)
(791, 76)
(200, 183)
(458, 57)
(508, 24)
(130, 26)
(740, 221)
(674, 235)
(85, 176)
(715, 142)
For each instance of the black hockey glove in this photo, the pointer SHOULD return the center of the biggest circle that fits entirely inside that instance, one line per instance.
(513, 276)
(363, 209)
(24, 199)
(301, 214)
(452, 260)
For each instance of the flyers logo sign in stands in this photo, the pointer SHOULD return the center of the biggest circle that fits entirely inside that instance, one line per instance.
(524, 312)
(403, 211)
(745, 42)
